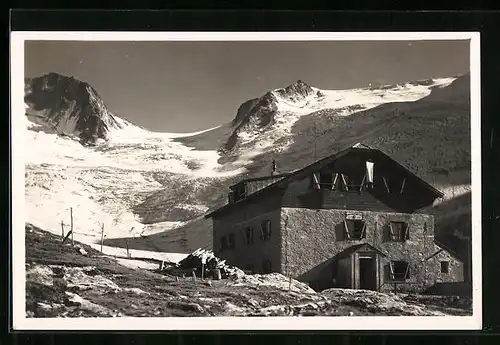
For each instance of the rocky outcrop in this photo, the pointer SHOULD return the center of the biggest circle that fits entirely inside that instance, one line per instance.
(68, 107)
(260, 112)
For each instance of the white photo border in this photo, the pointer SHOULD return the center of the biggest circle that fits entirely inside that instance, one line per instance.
(21, 322)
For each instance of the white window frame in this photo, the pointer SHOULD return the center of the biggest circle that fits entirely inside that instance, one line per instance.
(386, 184)
(402, 186)
(362, 183)
(316, 184)
(345, 183)
(335, 179)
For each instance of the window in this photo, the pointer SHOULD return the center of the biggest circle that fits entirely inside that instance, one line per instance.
(400, 270)
(266, 266)
(249, 235)
(231, 241)
(394, 185)
(325, 180)
(445, 267)
(355, 229)
(223, 243)
(240, 191)
(399, 231)
(265, 230)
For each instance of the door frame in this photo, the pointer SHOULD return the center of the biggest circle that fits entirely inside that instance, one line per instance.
(356, 282)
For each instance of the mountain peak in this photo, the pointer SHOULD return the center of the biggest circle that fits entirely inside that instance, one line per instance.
(299, 88)
(68, 106)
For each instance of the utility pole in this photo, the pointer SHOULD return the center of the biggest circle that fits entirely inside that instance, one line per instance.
(62, 229)
(314, 139)
(102, 235)
(72, 237)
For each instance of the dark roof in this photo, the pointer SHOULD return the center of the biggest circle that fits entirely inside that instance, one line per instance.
(446, 249)
(356, 247)
(260, 178)
(318, 165)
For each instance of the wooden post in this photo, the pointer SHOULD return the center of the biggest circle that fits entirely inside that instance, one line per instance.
(289, 283)
(71, 215)
(65, 238)
(62, 229)
(128, 254)
(202, 270)
(102, 235)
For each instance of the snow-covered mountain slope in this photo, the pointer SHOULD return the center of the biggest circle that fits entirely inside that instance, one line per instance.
(114, 180)
(151, 189)
(268, 121)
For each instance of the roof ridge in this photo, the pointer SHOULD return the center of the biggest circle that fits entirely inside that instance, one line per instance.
(300, 172)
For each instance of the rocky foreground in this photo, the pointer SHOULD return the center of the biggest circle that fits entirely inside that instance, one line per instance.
(63, 281)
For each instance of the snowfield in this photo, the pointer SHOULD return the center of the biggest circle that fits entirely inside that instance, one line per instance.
(134, 168)
(344, 102)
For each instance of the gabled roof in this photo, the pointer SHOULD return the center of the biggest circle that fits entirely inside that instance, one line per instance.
(356, 247)
(298, 174)
(446, 249)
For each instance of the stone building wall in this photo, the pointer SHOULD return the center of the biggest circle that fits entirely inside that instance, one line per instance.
(237, 220)
(312, 238)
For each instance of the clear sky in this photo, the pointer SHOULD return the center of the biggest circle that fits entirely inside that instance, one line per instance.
(190, 86)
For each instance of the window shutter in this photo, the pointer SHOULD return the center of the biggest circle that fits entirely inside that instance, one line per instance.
(386, 185)
(346, 229)
(407, 231)
(387, 272)
(268, 229)
(407, 273)
(392, 270)
(345, 182)
(334, 182)
(262, 231)
(402, 186)
(316, 184)
(391, 231)
(249, 235)
(363, 231)
(362, 183)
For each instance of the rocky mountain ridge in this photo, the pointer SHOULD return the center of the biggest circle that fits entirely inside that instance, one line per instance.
(69, 107)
